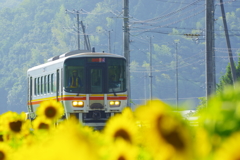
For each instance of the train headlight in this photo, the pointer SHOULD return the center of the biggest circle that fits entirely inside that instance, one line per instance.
(80, 103)
(114, 103)
(77, 103)
(74, 103)
(117, 103)
(111, 103)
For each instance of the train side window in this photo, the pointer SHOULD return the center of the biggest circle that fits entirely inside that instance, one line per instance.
(45, 84)
(41, 79)
(48, 80)
(51, 90)
(53, 83)
(38, 86)
(57, 81)
(42, 85)
(35, 86)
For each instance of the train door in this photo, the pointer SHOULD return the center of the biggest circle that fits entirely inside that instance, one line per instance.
(30, 92)
(61, 83)
(57, 85)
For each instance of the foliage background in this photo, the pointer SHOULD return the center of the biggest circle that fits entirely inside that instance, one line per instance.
(33, 31)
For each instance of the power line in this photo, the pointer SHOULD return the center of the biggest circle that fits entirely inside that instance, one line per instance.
(225, 2)
(170, 17)
(177, 2)
(170, 69)
(78, 28)
(146, 30)
(169, 14)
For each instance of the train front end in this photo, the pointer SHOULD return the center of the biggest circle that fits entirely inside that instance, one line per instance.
(94, 87)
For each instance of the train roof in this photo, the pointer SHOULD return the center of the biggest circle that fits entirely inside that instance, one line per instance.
(75, 53)
(80, 52)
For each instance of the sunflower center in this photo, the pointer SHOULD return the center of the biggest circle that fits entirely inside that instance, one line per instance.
(121, 158)
(123, 134)
(2, 155)
(15, 126)
(172, 137)
(43, 126)
(1, 138)
(50, 112)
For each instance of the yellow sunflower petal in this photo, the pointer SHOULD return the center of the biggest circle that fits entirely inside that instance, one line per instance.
(50, 109)
(165, 134)
(121, 150)
(5, 152)
(42, 123)
(120, 126)
(14, 123)
(229, 150)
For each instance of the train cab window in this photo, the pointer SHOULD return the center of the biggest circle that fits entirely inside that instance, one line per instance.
(116, 75)
(74, 79)
(96, 80)
(95, 75)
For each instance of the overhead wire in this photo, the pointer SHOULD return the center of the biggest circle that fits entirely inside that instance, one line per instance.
(225, 2)
(169, 14)
(147, 30)
(176, 2)
(180, 61)
(170, 17)
(170, 69)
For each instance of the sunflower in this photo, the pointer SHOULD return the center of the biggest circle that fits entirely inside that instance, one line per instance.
(15, 123)
(50, 109)
(121, 150)
(119, 126)
(128, 113)
(66, 141)
(202, 143)
(164, 132)
(5, 151)
(229, 150)
(2, 131)
(42, 123)
(74, 141)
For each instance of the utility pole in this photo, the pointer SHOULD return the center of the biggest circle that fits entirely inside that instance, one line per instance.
(232, 66)
(78, 29)
(210, 55)
(150, 74)
(176, 65)
(145, 75)
(109, 42)
(87, 45)
(126, 46)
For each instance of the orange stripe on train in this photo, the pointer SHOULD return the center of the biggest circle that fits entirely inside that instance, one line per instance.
(80, 98)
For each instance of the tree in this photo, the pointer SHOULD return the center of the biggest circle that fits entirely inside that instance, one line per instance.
(227, 78)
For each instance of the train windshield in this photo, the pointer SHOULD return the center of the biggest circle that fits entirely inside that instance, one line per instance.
(95, 75)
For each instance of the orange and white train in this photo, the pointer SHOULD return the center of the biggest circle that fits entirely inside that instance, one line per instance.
(90, 85)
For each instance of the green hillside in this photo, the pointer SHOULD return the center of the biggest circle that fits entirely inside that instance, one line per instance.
(33, 31)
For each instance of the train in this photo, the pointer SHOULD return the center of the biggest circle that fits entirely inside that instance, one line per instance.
(90, 85)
